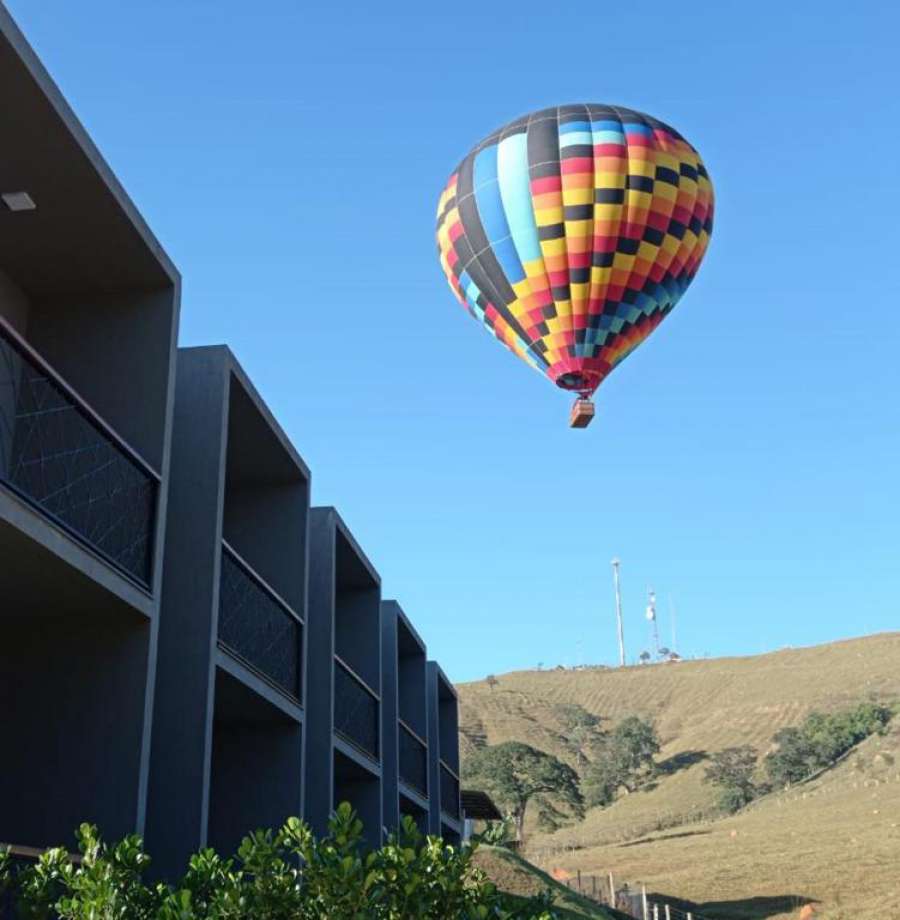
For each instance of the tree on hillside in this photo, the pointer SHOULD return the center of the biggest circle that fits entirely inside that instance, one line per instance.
(793, 758)
(580, 729)
(645, 657)
(491, 681)
(515, 774)
(821, 739)
(623, 758)
(732, 771)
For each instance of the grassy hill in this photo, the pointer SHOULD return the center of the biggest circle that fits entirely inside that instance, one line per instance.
(514, 875)
(835, 841)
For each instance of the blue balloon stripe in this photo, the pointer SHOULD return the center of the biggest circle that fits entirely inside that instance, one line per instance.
(515, 193)
(492, 214)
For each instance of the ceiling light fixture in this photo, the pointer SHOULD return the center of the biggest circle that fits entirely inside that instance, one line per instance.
(18, 201)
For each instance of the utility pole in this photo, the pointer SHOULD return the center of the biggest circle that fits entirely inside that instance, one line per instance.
(615, 564)
(672, 611)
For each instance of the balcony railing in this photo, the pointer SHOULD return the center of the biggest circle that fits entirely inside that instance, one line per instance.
(449, 792)
(59, 456)
(257, 627)
(413, 760)
(355, 709)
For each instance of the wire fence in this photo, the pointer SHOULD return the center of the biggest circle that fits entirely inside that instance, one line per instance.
(631, 899)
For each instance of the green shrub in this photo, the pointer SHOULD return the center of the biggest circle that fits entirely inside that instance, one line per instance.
(821, 739)
(288, 875)
(497, 833)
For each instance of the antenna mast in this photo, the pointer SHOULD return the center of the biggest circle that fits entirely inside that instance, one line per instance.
(615, 564)
(651, 616)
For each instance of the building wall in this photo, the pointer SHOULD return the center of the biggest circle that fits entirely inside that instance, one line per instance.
(72, 694)
(14, 304)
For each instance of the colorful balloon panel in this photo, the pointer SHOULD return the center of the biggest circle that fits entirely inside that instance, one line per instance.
(572, 232)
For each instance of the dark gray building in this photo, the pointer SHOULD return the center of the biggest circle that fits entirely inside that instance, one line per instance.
(443, 742)
(343, 759)
(404, 729)
(228, 718)
(88, 321)
(187, 649)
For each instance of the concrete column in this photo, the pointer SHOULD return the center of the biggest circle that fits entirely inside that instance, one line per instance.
(178, 800)
(389, 715)
(434, 746)
(319, 781)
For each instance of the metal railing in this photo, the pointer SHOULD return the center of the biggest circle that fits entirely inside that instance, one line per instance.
(355, 709)
(257, 627)
(61, 457)
(449, 792)
(413, 763)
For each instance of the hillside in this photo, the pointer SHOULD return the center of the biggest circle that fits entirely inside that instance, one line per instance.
(516, 876)
(784, 848)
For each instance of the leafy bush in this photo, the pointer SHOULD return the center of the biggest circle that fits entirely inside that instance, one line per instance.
(821, 739)
(497, 833)
(288, 875)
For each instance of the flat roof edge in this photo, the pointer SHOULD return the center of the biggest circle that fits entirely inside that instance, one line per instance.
(440, 675)
(407, 623)
(345, 531)
(231, 366)
(27, 55)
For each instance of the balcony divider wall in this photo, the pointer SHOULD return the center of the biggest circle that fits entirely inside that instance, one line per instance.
(443, 741)
(344, 717)
(89, 306)
(228, 725)
(405, 723)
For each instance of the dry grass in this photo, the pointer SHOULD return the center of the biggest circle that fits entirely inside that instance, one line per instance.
(512, 874)
(835, 841)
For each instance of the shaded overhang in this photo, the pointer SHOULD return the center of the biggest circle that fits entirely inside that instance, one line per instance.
(479, 806)
(84, 233)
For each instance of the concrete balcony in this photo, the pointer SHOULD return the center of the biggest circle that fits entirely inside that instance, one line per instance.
(405, 725)
(88, 318)
(344, 719)
(229, 719)
(443, 740)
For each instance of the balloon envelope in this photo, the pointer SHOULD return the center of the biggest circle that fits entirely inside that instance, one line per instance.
(572, 232)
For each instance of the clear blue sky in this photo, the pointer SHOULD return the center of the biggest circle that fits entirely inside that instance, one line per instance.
(744, 461)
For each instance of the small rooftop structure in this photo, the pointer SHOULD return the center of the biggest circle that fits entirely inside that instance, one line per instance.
(479, 806)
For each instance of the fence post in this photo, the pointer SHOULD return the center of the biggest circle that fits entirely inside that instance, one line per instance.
(656, 912)
(594, 887)
(612, 891)
(646, 906)
(668, 912)
(690, 916)
(579, 880)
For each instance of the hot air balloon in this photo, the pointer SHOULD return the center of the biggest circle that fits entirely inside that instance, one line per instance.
(571, 233)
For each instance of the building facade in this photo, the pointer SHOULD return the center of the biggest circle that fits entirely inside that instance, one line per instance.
(88, 324)
(188, 649)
